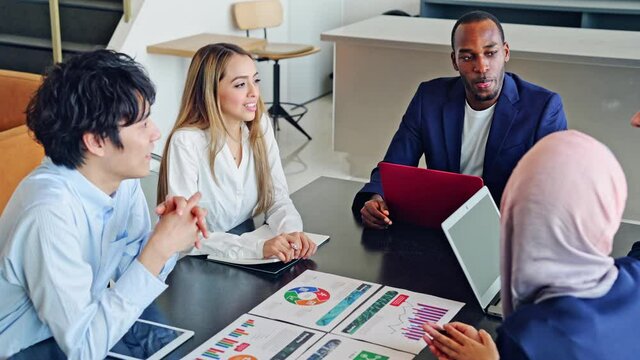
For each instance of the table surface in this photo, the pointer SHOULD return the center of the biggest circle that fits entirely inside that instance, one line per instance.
(187, 46)
(205, 296)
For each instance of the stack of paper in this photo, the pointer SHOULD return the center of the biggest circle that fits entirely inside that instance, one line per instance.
(388, 320)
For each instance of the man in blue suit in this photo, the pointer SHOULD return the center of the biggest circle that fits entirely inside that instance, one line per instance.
(479, 123)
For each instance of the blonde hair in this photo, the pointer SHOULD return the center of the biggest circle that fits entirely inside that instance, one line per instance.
(200, 109)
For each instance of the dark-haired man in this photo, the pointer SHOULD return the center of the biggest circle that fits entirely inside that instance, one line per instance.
(80, 219)
(479, 123)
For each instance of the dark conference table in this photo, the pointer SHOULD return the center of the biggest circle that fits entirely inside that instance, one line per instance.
(205, 296)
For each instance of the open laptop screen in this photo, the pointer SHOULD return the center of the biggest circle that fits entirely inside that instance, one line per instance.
(474, 234)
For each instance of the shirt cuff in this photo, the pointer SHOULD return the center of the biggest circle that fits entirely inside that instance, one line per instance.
(260, 248)
(139, 286)
(168, 267)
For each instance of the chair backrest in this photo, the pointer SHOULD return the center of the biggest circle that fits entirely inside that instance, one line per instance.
(259, 14)
(19, 153)
(16, 89)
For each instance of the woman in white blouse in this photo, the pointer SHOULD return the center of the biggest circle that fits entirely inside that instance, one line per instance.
(223, 146)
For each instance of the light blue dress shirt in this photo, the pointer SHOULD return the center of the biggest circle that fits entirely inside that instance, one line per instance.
(61, 240)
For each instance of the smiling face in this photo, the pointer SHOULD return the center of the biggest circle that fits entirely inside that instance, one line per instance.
(132, 160)
(238, 89)
(480, 56)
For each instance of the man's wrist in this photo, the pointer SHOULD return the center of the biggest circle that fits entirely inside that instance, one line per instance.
(154, 255)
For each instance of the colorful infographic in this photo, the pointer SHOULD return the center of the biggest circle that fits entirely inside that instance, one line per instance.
(307, 296)
(336, 347)
(316, 300)
(253, 337)
(394, 318)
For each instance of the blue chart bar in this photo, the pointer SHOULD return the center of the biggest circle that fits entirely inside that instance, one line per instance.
(343, 305)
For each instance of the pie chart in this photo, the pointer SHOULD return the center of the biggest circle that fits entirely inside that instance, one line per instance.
(307, 295)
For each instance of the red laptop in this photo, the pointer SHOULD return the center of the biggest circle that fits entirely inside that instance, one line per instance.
(422, 196)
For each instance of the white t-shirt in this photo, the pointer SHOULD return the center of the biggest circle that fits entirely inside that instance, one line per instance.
(233, 198)
(474, 139)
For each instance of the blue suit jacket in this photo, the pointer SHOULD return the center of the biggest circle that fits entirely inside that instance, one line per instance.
(433, 126)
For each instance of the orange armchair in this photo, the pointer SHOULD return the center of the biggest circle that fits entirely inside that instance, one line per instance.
(19, 153)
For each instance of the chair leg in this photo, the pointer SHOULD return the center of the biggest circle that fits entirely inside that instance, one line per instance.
(278, 111)
(274, 117)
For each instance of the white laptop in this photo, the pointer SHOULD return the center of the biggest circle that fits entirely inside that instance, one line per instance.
(474, 234)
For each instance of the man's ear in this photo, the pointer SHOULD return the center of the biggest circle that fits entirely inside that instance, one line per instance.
(94, 144)
(453, 61)
(507, 52)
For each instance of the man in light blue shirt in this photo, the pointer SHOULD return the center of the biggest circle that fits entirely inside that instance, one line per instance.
(80, 219)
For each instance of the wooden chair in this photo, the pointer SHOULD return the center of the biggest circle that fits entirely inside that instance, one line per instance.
(263, 14)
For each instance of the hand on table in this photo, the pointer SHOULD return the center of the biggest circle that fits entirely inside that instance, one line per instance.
(303, 247)
(460, 342)
(287, 247)
(375, 213)
(278, 247)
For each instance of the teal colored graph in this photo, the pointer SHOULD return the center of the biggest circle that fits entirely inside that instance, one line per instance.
(370, 312)
(343, 305)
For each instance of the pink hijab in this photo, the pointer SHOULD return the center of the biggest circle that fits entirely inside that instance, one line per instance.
(560, 210)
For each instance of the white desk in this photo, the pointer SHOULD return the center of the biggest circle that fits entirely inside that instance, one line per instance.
(595, 14)
(379, 63)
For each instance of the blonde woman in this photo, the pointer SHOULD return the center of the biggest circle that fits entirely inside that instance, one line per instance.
(223, 146)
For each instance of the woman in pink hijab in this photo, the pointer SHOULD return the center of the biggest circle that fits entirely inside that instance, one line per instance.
(563, 296)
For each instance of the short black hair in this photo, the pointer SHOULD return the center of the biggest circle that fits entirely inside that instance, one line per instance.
(475, 16)
(94, 92)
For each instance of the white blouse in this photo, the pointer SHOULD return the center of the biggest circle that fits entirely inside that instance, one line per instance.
(233, 197)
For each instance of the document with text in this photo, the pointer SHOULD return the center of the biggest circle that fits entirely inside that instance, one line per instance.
(316, 300)
(394, 318)
(335, 347)
(252, 337)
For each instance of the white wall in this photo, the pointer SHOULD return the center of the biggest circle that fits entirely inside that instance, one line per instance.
(162, 20)
(357, 10)
(302, 79)
(309, 75)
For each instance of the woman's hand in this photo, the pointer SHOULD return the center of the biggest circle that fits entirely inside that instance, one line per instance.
(302, 246)
(460, 342)
(278, 247)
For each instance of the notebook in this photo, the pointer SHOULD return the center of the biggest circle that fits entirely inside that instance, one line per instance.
(424, 197)
(271, 266)
(473, 232)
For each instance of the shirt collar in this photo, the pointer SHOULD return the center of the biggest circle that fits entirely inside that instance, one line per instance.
(92, 197)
